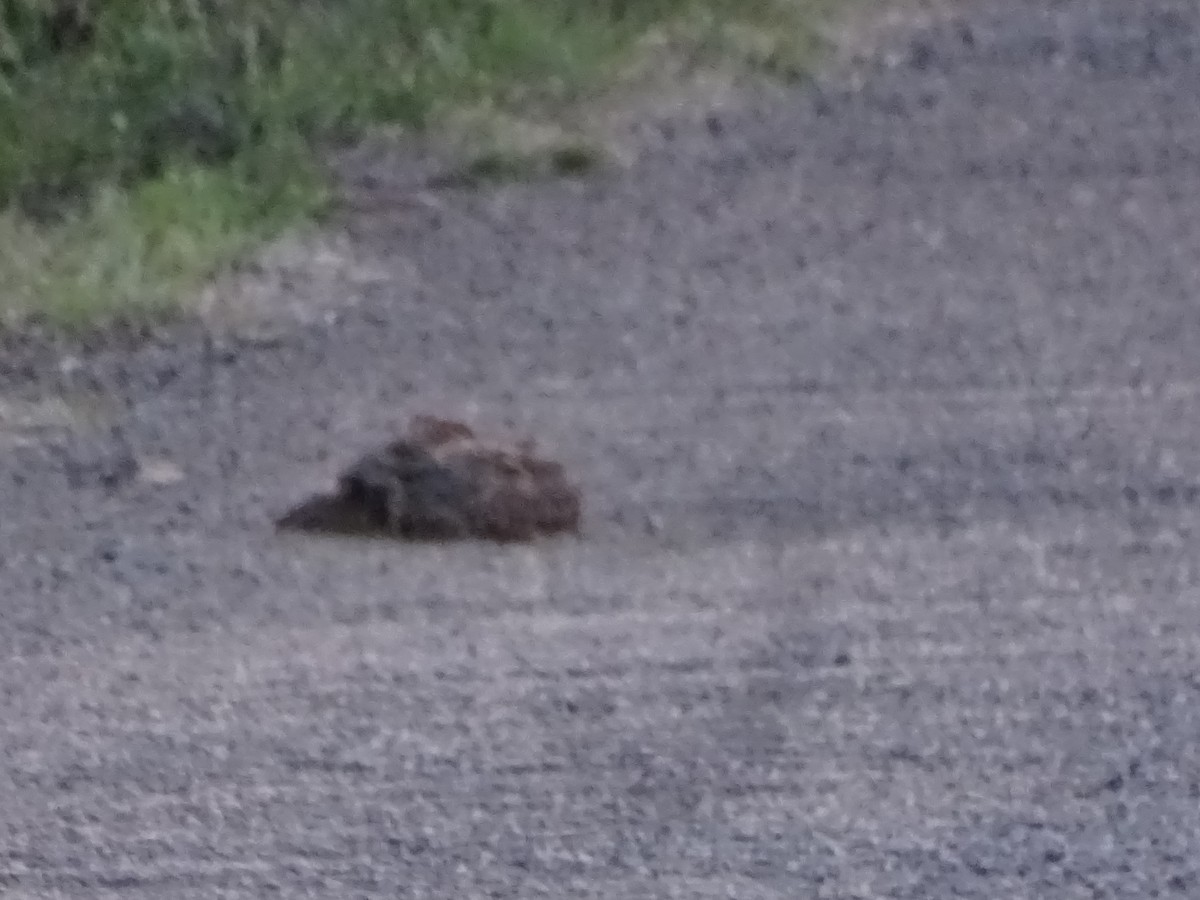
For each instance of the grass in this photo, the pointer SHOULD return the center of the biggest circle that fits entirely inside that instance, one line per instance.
(148, 144)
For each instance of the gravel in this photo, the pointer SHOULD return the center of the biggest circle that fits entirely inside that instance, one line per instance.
(885, 395)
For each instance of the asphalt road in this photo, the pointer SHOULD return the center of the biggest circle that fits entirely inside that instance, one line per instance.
(886, 395)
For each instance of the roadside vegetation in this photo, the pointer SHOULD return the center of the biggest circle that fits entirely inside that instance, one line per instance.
(147, 144)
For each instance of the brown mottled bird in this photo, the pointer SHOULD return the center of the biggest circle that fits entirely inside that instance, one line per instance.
(442, 482)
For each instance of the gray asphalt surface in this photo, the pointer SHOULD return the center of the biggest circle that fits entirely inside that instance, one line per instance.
(887, 401)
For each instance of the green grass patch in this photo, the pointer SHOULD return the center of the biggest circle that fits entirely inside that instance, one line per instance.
(130, 254)
(499, 164)
(491, 145)
(147, 144)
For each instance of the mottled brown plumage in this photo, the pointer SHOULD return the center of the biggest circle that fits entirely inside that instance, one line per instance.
(442, 482)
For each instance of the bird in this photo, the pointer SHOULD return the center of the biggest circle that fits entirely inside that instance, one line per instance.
(440, 481)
